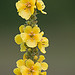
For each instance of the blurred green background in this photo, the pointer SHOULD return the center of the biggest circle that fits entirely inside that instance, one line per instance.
(59, 28)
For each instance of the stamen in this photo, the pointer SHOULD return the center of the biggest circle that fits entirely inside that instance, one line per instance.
(28, 73)
(28, 5)
(31, 34)
(24, 8)
(32, 70)
(43, 44)
(33, 39)
(41, 39)
(34, 34)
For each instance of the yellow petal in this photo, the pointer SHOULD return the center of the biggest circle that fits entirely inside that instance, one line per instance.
(37, 66)
(41, 58)
(21, 28)
(44, 66)
(20, 5)
(42, 44)
(25, 14)
(17, 71)
(39, 6)
(42, 4)
(20, 63)
(45, 41)
(28, 29)
(24, 37)
(26, 73)
(35, 73)
(43, 50)
(24, 1)
(32, 9)
(43, 73)
(37, 37)
(18, 39)
(36, 29)
(31, 43)
(29, 63)
(42, 33)
(24, 57)
(32, 2)
(23, 48)
(43, 12)
(24, 70)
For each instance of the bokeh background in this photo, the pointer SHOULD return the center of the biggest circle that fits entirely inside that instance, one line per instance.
(59, 28)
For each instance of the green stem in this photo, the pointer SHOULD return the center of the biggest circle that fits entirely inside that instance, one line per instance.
(32, 21)
(31, 52)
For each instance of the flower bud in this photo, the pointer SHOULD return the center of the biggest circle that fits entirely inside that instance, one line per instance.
(35, 57)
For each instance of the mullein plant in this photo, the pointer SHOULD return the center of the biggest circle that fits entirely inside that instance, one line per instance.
(31, 39)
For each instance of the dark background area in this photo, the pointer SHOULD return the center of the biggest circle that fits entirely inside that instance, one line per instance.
(59, 28)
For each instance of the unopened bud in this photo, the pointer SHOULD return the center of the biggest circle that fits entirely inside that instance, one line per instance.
(29, 49)
(35, 57)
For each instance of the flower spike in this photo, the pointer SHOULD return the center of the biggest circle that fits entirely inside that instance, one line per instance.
(31, 39)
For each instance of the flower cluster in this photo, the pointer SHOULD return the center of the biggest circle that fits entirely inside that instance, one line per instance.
(28, 67)
(26, 8)
(31, 39)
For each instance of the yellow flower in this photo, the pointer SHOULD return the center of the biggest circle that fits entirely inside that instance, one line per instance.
(27, 68)
(43, 64)
(42, 44)
(40, 6)
(19, 64)
(25, 8)
(31, 36)
(31, 68)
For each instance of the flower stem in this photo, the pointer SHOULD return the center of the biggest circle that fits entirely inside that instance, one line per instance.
(32, 21)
